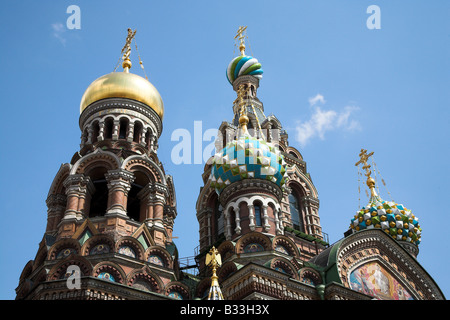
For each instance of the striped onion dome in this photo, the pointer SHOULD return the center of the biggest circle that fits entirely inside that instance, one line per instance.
(243, 65)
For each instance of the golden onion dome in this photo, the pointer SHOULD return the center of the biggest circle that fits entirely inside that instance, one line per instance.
(123, 85)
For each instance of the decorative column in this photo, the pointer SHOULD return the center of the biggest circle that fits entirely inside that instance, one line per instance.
(251, 215)
(115, 134)
(90, 133)
(101, 131)
(130, 133)
(238, 221)
(78, 188)
(144, 133)
(228, 233)
(266, 218)
(56, 204)
(153, 197)
(83, 139)
(279, 230)
(119, 183)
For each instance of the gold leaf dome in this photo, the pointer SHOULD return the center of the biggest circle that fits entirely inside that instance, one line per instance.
(123, 85)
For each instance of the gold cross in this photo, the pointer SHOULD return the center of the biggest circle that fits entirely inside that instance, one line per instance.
(241, 37)
(127, 47)
(363, 159)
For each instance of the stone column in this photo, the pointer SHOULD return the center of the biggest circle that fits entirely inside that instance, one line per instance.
(78, 188)
(153, 197)
(130, 133)
(251, 215)
(266, 218)
(101, 131)
(279, 230)
(228, 233)
(90, 133)
(238, 221)
(115, 133)
(119, 183)
(144, 132)
(56, 204)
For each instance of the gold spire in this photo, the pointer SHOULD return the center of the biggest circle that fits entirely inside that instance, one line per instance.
(241, 37)
(126, 50)
(243, 119)
(214, 260)
(370, 181)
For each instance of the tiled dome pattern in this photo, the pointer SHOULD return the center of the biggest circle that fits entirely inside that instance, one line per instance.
(392, 218)
(247, 158)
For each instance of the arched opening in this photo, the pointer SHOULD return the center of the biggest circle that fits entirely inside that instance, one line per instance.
(95, 132)
(218, 220)
(99, 198)
(293, 154)
(258, 213)
(147, 137)
(232, 220)
(137, 132)
(109, 123)
(123, 126)
(296, 211)
(133, 201)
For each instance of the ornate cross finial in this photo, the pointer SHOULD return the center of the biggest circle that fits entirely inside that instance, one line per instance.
(363, 160)
(241, 37)
(126, 50)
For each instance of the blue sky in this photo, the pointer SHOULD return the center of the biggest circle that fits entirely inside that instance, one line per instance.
(335, 85)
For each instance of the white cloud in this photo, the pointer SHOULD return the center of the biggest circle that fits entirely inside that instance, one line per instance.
(323, 121)
(318, 98)
(58, 31)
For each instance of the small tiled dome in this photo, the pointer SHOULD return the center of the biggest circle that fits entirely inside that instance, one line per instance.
(389, 216)
(247, 158)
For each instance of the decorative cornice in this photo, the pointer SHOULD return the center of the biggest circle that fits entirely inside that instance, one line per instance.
(250, 185)
(121, 103)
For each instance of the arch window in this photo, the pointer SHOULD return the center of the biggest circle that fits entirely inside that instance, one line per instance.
(95, 132)
(258, 221)
(219, 219)
(109, 128)
(99, 200)
(137, 132)
(133, 201)
(123, 125)
(295, 210)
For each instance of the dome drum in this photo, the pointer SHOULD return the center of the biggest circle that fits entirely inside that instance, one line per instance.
(120, 106)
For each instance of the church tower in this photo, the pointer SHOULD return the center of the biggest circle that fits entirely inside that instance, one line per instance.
(258, 209)
(111, 209)
(258, 205)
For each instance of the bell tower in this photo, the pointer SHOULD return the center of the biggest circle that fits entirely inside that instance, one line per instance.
(112, 208)
(258, 205)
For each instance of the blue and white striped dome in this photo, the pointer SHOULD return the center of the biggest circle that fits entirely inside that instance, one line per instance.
(243, 65)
